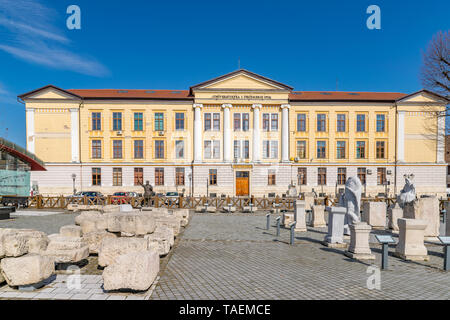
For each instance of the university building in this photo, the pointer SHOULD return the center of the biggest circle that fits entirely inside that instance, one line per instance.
(239, 134)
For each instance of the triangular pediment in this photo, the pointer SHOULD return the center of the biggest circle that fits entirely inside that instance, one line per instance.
(50, 92)
(423, 96)
(241, 80)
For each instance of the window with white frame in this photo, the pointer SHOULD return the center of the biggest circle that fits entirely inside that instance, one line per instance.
(241, 149)
(211, 149)
(270, 149)
(270, 121)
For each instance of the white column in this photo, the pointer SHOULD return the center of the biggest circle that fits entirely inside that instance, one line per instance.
(197, 133)
(30, 129)
(401, 137)
(256, 133)
(285, 132)
(226, 133)
(440, 148)
(74, 135)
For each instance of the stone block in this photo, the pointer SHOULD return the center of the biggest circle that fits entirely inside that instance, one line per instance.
(374, 213)
(94, 239)
(359, 242)
(288, 218)
(300, 216)
(162, 242)
(133, 223)
(410, 244)
(426, 209)
(70, 231)
(172, 222)
(67, 249)
(125, 208)
(249, 209)
(87, 215)
(394, 213)
(229, 209)
(134, 271)
(111, 248)
(335, 235)
(318, 216)
(26, 270)
(110, 208)
(211, 209)
(14, 245)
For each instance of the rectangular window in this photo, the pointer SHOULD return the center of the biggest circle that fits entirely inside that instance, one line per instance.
(301, 122)
(237, 121)
(207, 149)
(159, 121)
(179, 121)
(362, 175)
(361, 122)
(179, 149)
(360, 149)
(274, 149)
(117, 149)
(271, 178)
(341, 176)
(159, 149)
(321, 176)
(138, 121)
(340, 123)
(179, 176)
(138, 176)
(301, 149)
(117, 176)
(213, 177)
(381, 154)
(237, 149)
(340, 150)
(96, 149)
(381, 176)
(266, 149)
(96, 176)
(380, 122)
(216, 149)
(138, 149)
(246, 149)
(159, 176)
(207, 121)
(216, 121)
(245, 121)
(301, 176)
(266, 121)
(321, 122)
(274, 122)
(321, 149)
(117, 121)
(96, 121)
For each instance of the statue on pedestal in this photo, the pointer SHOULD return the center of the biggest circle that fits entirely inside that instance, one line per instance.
(148, 192)
(408, 193)
(351, 200)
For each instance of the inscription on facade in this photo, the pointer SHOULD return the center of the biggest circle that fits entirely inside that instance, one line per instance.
(240, 97)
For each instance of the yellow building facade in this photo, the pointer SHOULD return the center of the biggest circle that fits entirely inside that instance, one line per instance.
(239, 134)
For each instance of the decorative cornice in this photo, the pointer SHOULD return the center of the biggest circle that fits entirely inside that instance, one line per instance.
(227, 105)
(256, 105)
(285, 106)
(197, 105)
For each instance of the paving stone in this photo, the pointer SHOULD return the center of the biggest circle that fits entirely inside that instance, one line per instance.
(116, 297)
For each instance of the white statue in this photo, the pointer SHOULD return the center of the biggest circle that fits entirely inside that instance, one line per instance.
(408, 193)
(352, 201)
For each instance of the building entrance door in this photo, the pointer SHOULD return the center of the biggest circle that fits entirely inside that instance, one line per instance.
(242, 185)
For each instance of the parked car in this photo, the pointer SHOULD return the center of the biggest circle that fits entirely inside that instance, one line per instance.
(132, 194)
(172, 197)
(91, 195)
(120, 197)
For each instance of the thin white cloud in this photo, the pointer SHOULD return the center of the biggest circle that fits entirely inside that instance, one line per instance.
(34, 38)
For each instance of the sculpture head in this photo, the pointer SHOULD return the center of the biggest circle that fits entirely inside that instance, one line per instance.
(147, 182)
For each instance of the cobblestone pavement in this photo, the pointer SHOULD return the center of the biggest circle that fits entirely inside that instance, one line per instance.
(61, 287)
(234, 257)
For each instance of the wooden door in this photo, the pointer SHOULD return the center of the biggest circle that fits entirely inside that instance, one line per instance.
(242, 185)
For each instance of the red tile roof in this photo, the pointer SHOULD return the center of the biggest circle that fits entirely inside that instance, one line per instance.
(131, 94)
(344, 96)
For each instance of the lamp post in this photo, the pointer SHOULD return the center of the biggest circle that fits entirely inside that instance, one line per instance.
(368, 173)
(207, 187)
(300, 181)
(190, 183)
(74, 176)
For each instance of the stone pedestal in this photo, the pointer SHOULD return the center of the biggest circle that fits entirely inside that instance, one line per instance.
(288, 218)
(447, 223)
(299, 216)
(359, 242)
(394, 214)
(309, 200)
(318, 216)
(426, 209)
(374, 213)
(411, 240)
(335, 236)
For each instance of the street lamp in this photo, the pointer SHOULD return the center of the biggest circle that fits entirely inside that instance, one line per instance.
(300, 181)
(74, 176)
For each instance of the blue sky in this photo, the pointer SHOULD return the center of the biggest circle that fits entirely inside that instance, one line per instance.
(175, 44)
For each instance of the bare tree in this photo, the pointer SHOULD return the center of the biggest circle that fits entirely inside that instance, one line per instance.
(435, 73)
